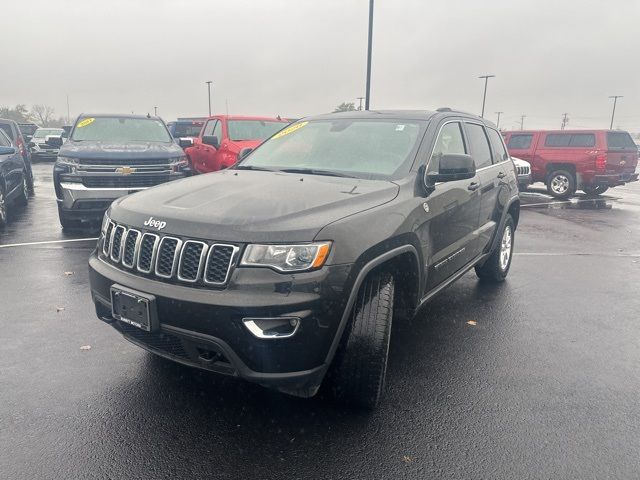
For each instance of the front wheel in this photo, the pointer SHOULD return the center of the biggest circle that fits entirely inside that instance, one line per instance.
(496, 267)
(561, 184)
(360, 366)
(4, 209)
(595, 190)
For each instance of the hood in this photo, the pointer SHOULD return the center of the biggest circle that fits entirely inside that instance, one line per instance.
(109, 150)
(252, 206)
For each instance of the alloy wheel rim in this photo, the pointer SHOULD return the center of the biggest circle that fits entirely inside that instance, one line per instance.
(560, 184)
(505, 248)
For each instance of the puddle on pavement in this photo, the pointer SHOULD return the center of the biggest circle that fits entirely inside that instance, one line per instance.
(572, 204)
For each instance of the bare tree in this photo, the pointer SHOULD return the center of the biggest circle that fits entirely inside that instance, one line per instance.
(43, 114)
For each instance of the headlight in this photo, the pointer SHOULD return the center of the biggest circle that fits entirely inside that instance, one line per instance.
(68, 161)
(287, 258)
(178, 163)
(105, 223)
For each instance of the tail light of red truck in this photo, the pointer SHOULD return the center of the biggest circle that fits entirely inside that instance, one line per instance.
(601, 162)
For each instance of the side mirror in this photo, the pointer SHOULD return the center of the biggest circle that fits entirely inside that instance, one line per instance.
(452, 167)
(54, 141)
(211, 140)
(185, 142)
(244, 152)
(7, 151)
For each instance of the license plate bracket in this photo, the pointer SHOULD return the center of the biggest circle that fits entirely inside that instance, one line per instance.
(134, 308)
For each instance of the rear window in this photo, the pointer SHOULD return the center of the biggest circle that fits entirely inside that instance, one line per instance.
(520, 141)
(570, 140)
(620, 141)
(186, 129)
(27, 128)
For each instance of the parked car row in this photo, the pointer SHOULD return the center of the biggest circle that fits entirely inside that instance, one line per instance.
(14, 177)
(568, 160)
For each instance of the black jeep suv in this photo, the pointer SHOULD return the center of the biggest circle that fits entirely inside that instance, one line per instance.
(291, 264)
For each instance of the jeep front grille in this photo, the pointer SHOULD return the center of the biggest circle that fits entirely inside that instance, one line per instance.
(523, 170)
(169, 258)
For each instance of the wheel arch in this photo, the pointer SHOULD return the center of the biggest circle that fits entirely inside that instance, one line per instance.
(403, 256)
(551, 167)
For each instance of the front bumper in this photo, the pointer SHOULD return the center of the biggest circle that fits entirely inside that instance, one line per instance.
(524, 181)
(202, 327)
(42, 153)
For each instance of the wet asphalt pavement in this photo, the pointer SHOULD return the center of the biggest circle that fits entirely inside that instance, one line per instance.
(545, 385)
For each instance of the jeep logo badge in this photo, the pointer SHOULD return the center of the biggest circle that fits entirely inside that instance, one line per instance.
(157, 224)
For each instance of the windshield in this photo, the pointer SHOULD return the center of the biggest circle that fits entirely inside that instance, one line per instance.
(27, 129)
(43, 132)
(361, 148)
(253, 129)
(186, 130)
(120, 129)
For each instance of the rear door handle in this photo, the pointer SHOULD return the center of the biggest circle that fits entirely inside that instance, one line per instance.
(501, 175)
(473, 186)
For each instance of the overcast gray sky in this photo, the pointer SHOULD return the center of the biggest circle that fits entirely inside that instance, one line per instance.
(299, 57)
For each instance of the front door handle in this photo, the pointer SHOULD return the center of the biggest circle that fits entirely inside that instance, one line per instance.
(473, 186)
(501, 175)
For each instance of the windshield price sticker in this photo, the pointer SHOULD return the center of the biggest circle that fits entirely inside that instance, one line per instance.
(85, 122)
(289, 130)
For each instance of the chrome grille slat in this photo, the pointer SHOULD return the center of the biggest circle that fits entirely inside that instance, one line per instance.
(147, 252)
(191, 261)
(220, 259)
(116, 243)
(131, 246)
(169, 258)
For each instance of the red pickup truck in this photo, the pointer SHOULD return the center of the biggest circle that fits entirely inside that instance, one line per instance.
(568, 160)
(223, 136)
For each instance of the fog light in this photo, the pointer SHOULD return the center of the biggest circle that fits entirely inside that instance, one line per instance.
(276, 327)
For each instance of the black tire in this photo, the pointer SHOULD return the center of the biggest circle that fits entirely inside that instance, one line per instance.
(594, 190)
(561, 184)
(30, 182)
(66, 222)
(494, 268)
(4, 206)
(359, 369)
(23, 197)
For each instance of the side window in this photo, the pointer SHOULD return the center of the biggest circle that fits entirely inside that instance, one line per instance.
(4, 140)
(582, 140)
(209, 127)
(520, 141)
(499, 152)
(450, 140)
(7, 129)
(217, 131)
(479, 145)
(557, 140)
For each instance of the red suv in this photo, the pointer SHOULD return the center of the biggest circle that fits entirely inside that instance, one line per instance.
(567, 160)
(223, 136)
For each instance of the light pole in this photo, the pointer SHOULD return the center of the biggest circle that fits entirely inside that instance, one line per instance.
(484, 97)
(209, 92)
(498, 122)
(155, 111)
(522, 117)
(368, 91)
(613, 114)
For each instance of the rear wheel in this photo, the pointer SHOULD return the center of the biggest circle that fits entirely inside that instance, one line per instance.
(496, 268)
(360, 366)
(595, 190)
(4, 209)
(561, 184)
(23, 196)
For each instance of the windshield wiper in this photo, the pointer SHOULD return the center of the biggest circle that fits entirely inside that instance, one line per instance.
(254, 167)
(314, 171)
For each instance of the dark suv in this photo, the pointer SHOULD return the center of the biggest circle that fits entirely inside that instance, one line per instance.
(107, 156)
(291, 264)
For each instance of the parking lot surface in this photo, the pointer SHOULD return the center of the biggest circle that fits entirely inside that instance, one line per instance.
(544, 384)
